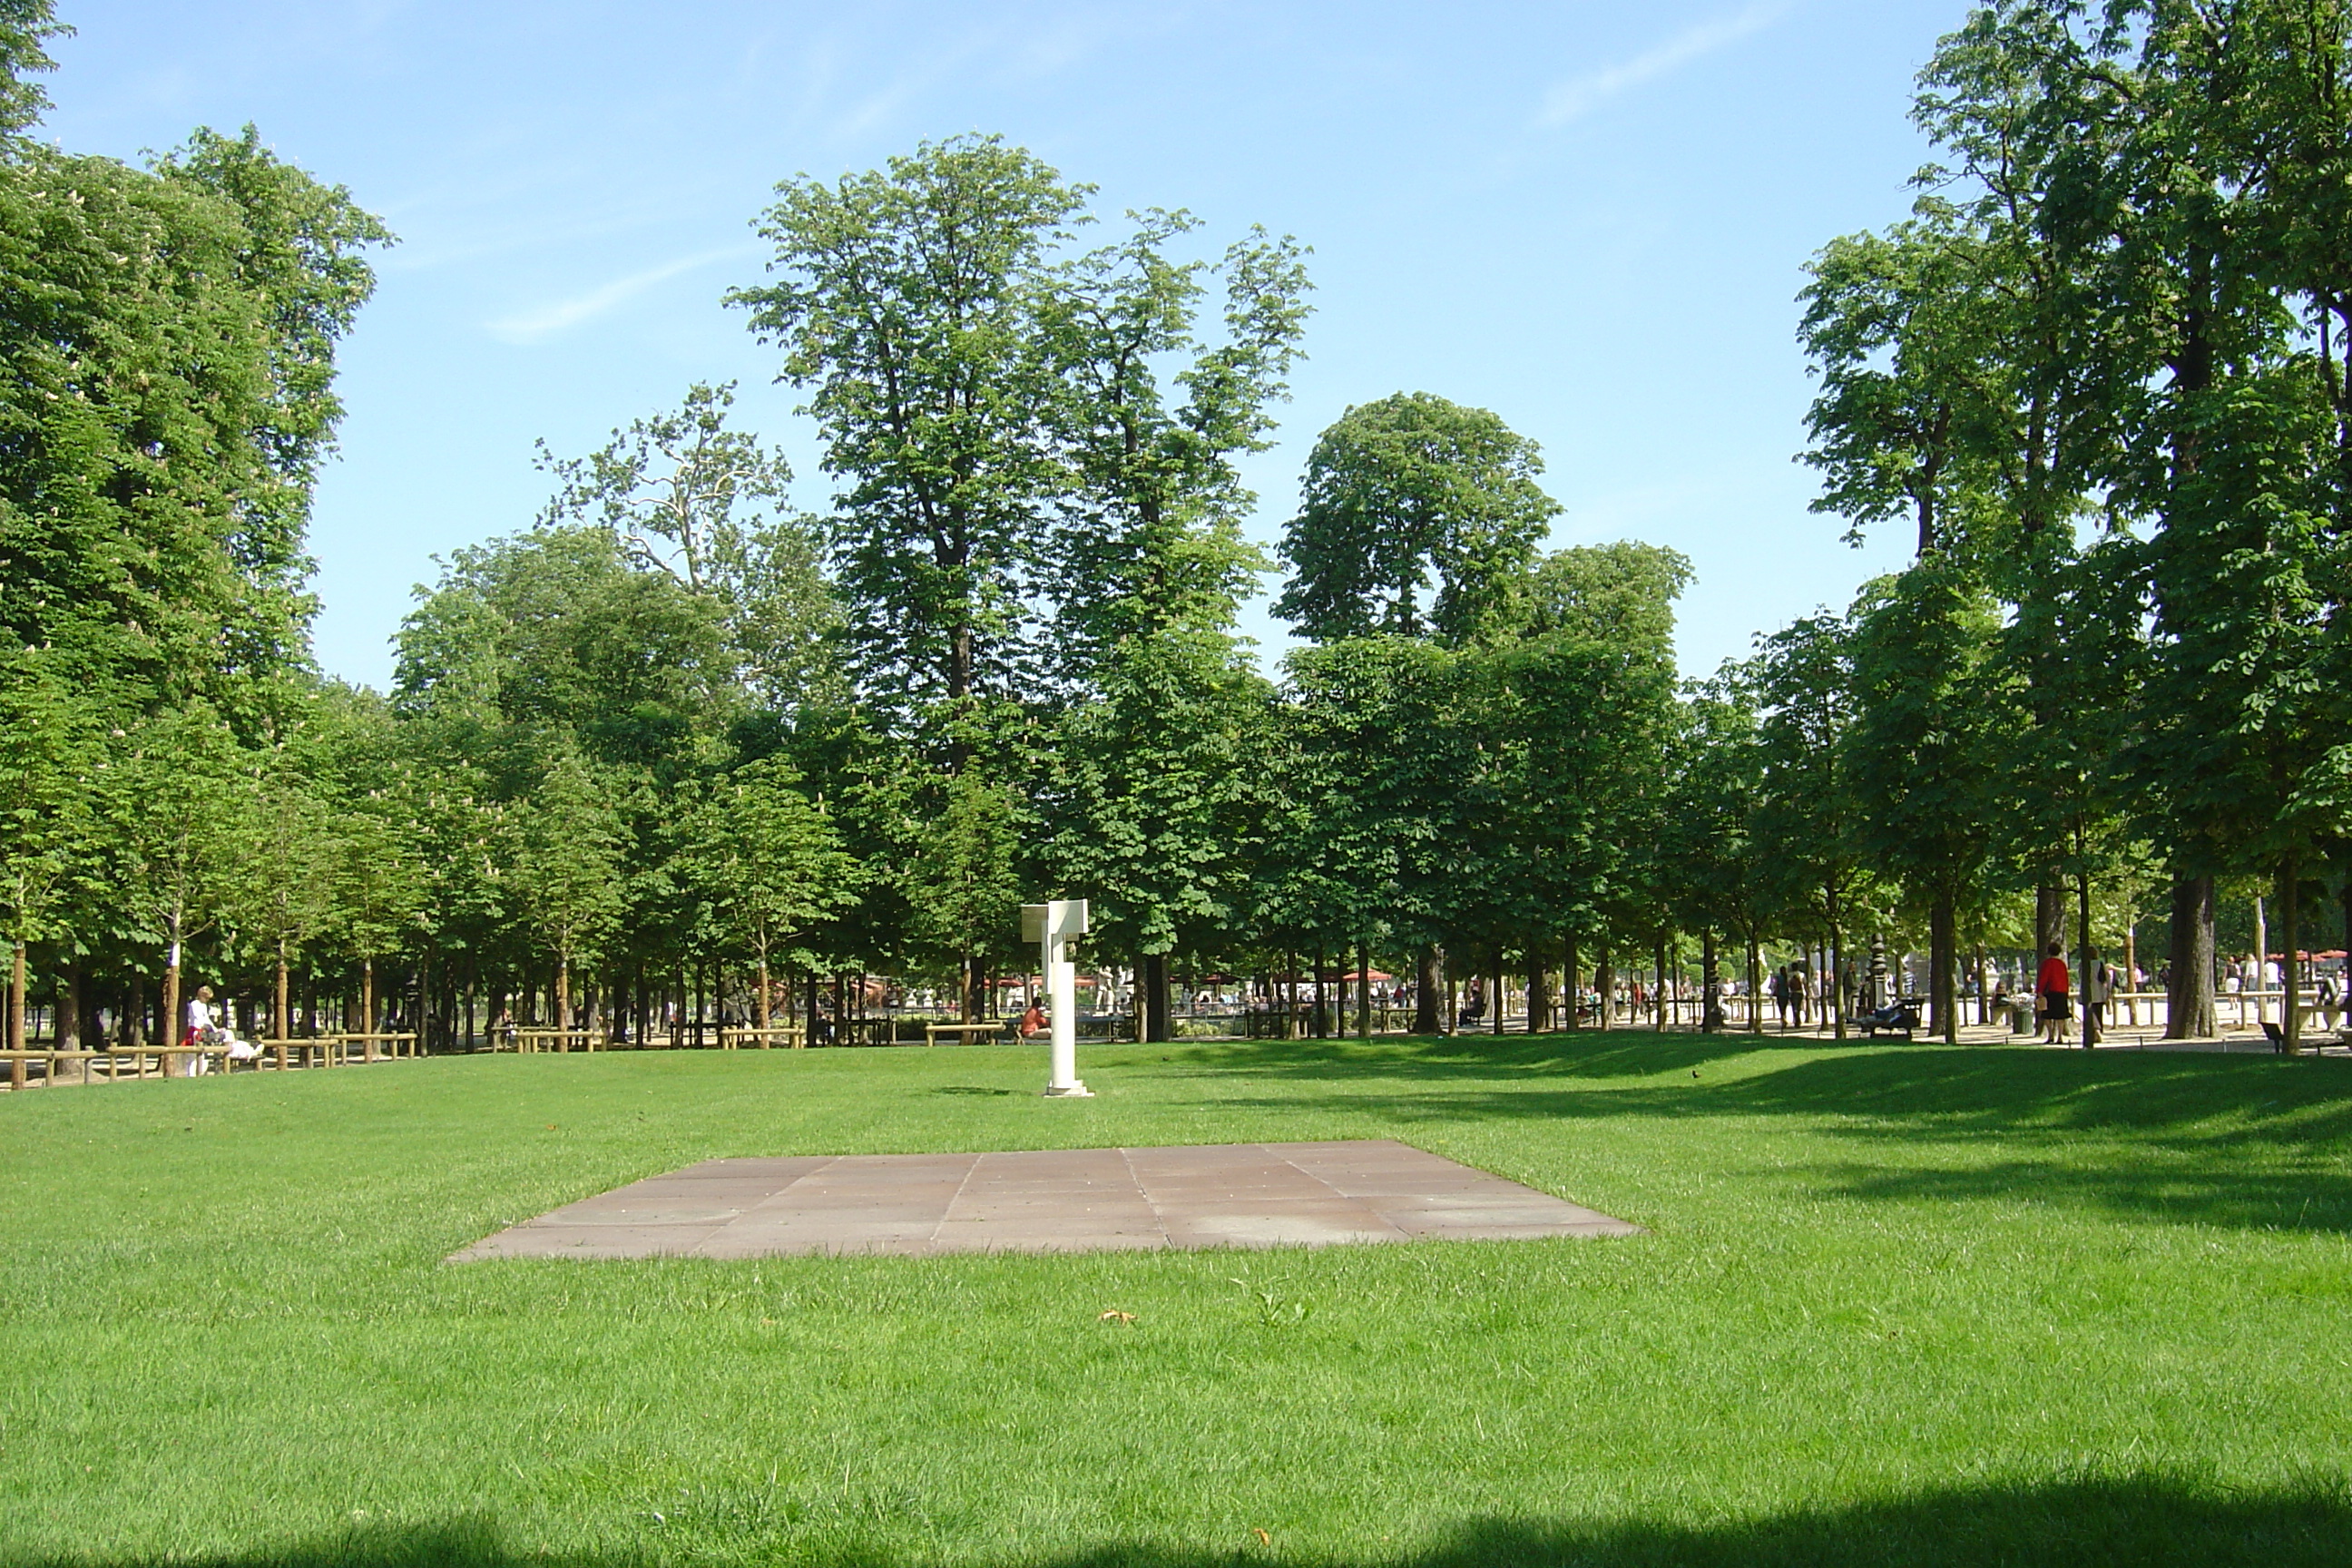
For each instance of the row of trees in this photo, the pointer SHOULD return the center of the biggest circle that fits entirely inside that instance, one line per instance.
(678, 736)
(2101, 371)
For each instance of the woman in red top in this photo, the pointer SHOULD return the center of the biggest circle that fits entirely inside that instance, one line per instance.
(2052, 987)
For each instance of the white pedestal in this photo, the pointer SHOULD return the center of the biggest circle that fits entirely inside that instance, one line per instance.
(1053, 926)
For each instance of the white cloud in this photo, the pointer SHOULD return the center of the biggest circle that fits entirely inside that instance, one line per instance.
(1576, 99)
(530, 326)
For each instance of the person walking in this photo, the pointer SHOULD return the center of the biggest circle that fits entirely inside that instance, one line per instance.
(2051, 990)
(2098, 984)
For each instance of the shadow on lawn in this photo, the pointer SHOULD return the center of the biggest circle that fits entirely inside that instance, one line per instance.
(2137, 1521)
(2252, 1141)
(2189, 1101)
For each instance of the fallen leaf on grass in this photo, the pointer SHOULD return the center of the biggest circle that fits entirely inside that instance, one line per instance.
(1115, 1315)
(1263, 1537)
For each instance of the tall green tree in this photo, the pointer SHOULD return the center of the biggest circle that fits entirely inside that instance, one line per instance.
(1152, 419)
(178, 805)
(1924, 749)
(568, 850)
(1811, 812)
(1715, 795)
(1417, 516)
(705, 506)
(772, 862)
(47, 823)
(905, 303)
(962, 882)
(1153, 803)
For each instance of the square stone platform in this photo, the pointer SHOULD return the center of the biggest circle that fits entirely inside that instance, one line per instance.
(1072, 1200)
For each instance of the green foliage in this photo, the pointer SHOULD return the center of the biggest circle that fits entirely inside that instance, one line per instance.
(684, 496)
(1150, 537)
(1924, 751)
(960, 884)
(906, 305)
(25, 26)
(1408, 495)
(47, 829)
(1811, 810)
(1902, 329)
(1155, 800)
(770, 860)
(178, 807)
(568, 842)
(1715, 802)
(1621, 596)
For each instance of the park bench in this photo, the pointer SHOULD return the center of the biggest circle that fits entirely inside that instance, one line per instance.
(172, 1060)
(736, 1038)
(528, 1040)
(931, 1032)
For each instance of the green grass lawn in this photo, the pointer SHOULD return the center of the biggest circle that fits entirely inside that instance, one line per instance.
(1897, 1304)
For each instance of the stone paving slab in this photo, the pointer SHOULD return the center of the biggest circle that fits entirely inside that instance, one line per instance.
(1060, 1200)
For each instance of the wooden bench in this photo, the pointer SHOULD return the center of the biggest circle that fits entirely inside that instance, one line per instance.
(732, 1037)
(528, 1040)
(931, 1032)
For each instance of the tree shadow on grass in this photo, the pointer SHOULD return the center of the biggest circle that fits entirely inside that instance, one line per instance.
(2246, 1141)
(1587, 1054)
(2136, 1521)
(2210, 1100)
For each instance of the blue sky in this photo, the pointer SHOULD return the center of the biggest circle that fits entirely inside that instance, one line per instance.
(1589, 217)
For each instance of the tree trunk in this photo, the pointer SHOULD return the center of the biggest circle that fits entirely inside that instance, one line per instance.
(1428, 984)
(1943, 967)
(1604, 982)
(2188, 990)
(2092, 1028)
(563, 1000)
(281, 999)
(169, 1034)
(1151, 975)
(1658, 987)
(1571, 988)
(759, 1003)
(2131, 964)
(1834, 993)
(1364, 990)
(1710, 1011)
(367, 997)
(16, 1014)
(69, 1018)
(2290, 896)
(1494, 995)
(2049, 918)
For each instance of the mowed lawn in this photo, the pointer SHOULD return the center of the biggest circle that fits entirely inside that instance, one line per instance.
(1896, 1304)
